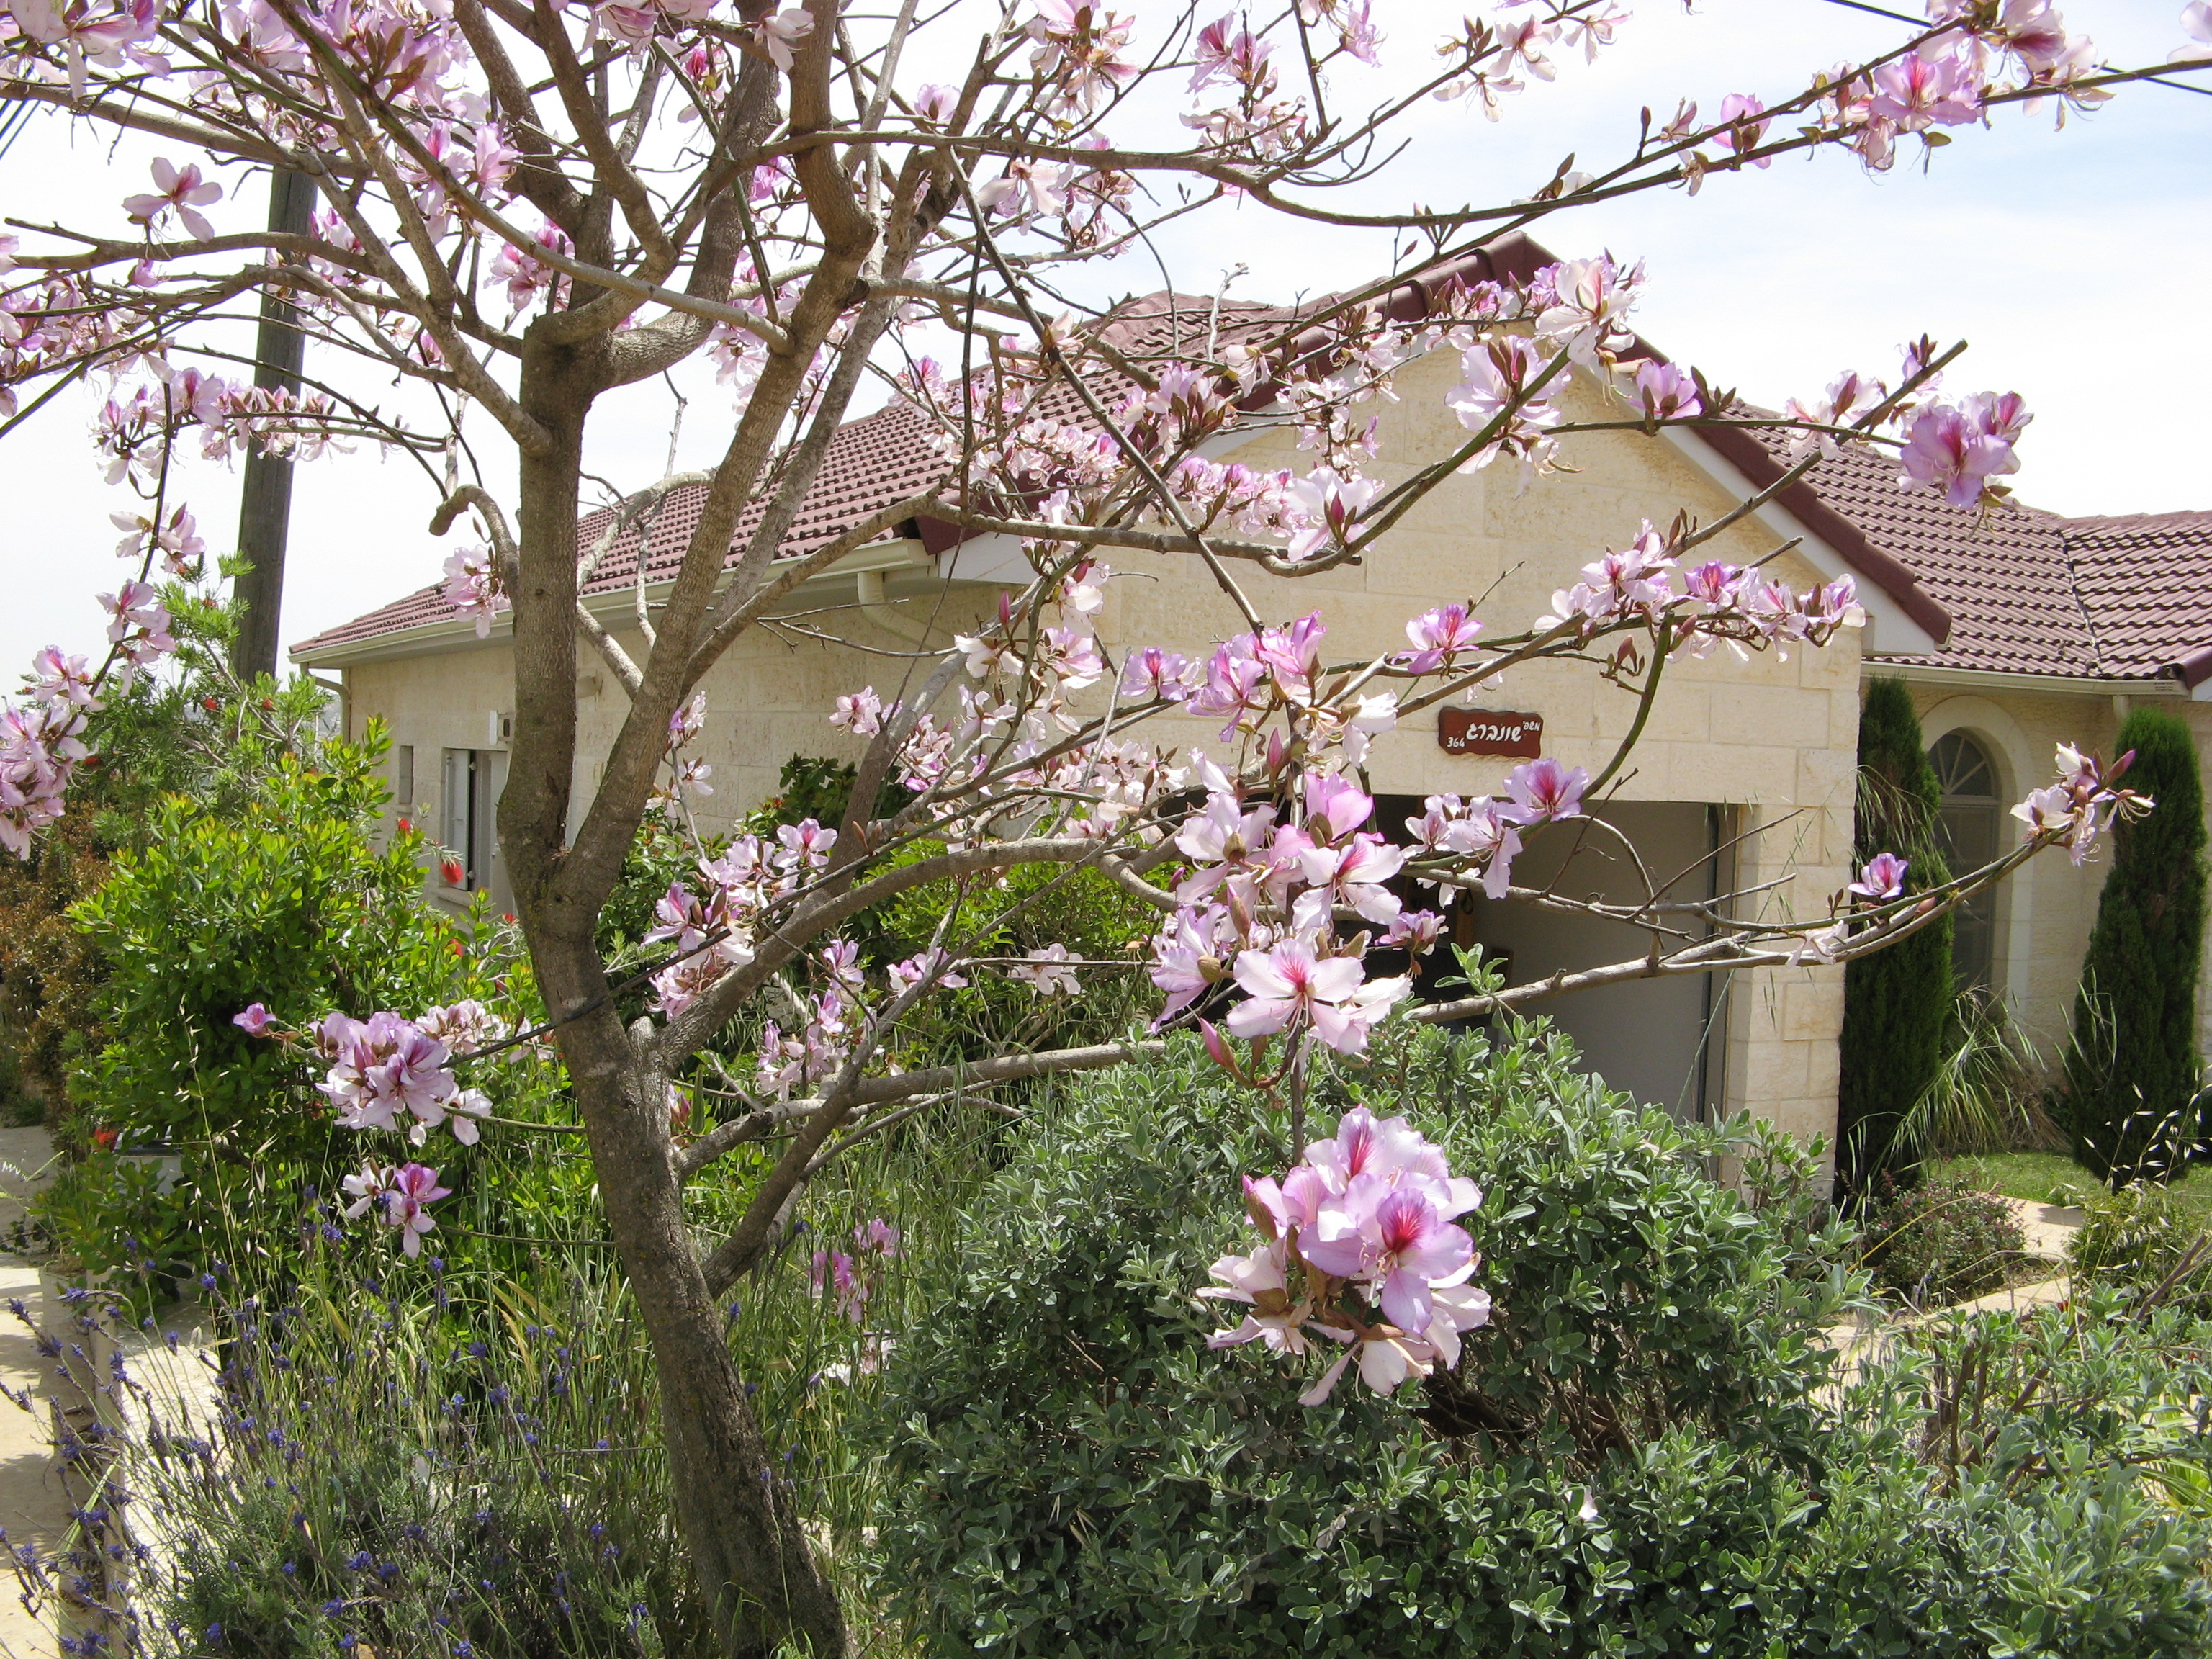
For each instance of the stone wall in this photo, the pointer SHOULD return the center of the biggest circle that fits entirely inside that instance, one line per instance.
(1773, 739)
(2044, 914)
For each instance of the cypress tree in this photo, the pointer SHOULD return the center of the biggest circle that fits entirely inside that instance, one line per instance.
(2131, 1069)
(1897, 1002)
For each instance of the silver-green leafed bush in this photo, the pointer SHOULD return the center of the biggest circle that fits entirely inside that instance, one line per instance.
(1643, 1454)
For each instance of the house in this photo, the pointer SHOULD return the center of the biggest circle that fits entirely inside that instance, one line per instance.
(2017, 630)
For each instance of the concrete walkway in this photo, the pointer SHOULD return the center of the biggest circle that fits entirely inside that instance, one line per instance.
(33, 1506)
(2048, 1228)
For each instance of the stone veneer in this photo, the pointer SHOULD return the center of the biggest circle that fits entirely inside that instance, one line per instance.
(1773, 739)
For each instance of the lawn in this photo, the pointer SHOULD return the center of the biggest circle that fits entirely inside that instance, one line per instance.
(2056, 1178)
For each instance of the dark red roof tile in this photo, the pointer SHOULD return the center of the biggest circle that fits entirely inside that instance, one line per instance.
(874, 463)
(2012, 589)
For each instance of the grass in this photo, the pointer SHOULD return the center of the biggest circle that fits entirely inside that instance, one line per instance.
(2039, 1177)
(2056, 1178)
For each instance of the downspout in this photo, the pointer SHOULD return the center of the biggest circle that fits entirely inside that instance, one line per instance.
(868, 589)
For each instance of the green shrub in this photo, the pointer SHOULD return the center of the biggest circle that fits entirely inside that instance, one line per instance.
(1637, 1457)
(2132, 1067)
(2142, 1238)
(1940, 1241)
(48, 969)
(1896, 1002)
(1986, 1096)
(285, 900)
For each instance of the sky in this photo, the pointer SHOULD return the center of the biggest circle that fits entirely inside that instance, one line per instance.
(2073, 262)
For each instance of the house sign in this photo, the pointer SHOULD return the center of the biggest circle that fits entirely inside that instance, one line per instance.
(1490, 731)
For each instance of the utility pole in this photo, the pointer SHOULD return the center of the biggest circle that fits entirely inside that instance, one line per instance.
(265, 504)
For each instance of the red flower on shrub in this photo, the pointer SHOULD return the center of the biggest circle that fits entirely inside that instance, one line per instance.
(104, 1138)
(455, 873)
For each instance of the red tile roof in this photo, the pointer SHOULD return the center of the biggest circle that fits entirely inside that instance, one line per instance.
(2012, 590)
(2146, 583)
(873, 463)
(2029, 591)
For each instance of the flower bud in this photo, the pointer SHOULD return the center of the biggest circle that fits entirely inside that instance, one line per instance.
(1217, 1046)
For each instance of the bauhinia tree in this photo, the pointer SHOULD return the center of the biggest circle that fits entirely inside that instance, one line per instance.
(524, 206)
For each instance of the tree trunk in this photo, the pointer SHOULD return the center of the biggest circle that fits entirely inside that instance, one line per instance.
(737, 1518)
(736, 1513)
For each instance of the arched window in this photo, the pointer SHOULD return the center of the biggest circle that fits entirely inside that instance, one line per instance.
(1970, 824)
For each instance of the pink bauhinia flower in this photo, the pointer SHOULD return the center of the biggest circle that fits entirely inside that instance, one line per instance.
(474, 587)
(1850, 395)
(1932, 87)
(1072, 657)
(804, 845)
(1334, 804)
(1496, 393)
(1079, 53)
(1591, 300)
(138, 622)
(1743, 122)
(925, 966)
(781, 32)
(1154, 674)
(1289, 985)
(1440, 637)
(1543, 790)
(1329, 507)
(1364, 1144)
(1491, 833)
(834, 1272)
(1226, 52)
(861, 713)
(2196, 24)
(1049, 971)
(1397, 1237)
(689, 720)
(1958, 450)
(178, 190)
(1666, 392)
(1027, 189)
(366, 1187)
(526, 274)
(1883, 878)
(414, 1187)
(1186, 961)
(61, 682)
(1354, 874)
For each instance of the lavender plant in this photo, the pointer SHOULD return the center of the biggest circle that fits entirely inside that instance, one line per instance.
(412, 1462)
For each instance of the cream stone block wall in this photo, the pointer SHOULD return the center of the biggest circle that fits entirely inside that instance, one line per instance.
(2045, 916)
(769, 698)
(2044, 912)
(1773, 739)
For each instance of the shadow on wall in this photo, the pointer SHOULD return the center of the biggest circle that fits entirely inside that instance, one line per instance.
(1660, 1040)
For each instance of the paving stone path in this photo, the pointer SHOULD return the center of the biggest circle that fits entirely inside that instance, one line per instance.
(33, 1506)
